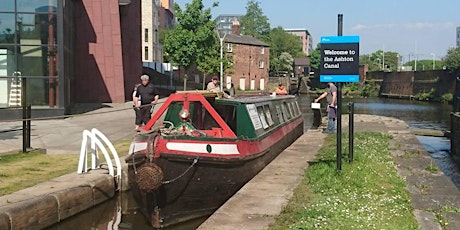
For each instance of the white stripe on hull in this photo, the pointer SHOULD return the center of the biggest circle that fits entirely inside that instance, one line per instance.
(137, 146)
(222, 149)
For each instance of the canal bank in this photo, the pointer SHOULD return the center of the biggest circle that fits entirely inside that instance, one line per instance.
(434, 197)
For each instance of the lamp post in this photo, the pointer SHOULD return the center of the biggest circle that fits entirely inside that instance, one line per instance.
(434, 56)
(221, 61)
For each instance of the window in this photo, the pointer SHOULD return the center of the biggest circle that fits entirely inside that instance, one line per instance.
(268, 115)
(146, 53)
(261, 64)
(263, 119)
(229, 47)
(262, 50)
(146, 35)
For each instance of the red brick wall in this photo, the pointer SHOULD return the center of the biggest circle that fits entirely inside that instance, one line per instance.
(131, 39)
(246, 64)
(99, 70)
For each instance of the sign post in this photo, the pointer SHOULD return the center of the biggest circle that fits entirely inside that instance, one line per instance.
(339, 63)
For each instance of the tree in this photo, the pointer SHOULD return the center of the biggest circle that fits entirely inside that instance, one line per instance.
(282, 42)
(254, 22)
(189, 42)
(452, 59)
(315, 57)
(379, 61)
(425, 64)
(285, 61)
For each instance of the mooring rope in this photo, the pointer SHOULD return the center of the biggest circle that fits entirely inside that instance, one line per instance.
(185, 172)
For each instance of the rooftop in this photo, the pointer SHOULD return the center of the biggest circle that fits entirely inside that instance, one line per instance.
(243, 39)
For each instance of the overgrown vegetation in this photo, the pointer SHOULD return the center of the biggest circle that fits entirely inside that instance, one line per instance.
(433, 96)
(367, 194)
(20, 171)
(426, 96)
(367, 89)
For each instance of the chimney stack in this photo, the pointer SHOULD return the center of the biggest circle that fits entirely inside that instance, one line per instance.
(236, 27)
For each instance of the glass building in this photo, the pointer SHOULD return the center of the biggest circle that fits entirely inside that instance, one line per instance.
(30, 34)
(55, 53)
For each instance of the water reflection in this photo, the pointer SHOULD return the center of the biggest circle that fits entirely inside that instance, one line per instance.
(416, 114)
(118, 213)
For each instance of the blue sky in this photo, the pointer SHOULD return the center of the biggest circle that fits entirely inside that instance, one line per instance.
(421, 27)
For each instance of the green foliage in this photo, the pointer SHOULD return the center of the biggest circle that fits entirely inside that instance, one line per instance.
(315, 57)
(369, 89)
(375, 60)
(254, 22)
(425, 64)
(447, 98)
(426, 96)
(367, 194)
(192, 40)
(282, 42)
(452, 59)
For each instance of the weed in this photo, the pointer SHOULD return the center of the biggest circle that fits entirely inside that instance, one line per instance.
(367, 194)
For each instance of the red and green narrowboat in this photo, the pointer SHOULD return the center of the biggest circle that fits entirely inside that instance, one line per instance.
(199, 149)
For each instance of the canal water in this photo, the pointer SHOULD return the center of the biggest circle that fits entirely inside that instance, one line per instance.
(122, 213)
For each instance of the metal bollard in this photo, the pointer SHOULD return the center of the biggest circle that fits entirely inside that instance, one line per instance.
(29, 116)
(351, 112)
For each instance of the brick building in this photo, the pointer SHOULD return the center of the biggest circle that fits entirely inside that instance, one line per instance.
(250, 60)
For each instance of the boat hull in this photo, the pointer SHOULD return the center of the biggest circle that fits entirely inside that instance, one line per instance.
(209, 183)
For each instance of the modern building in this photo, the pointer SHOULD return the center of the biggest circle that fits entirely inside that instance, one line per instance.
(458, 36)
(166, 13)
(54, 53)
(224, 22)
(305, 37)
(250, 60)
(152, 50)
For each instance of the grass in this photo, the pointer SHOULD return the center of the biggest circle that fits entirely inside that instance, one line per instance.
(19, 171)
(367, 194)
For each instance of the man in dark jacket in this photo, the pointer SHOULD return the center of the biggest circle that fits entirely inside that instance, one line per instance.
(148, 96)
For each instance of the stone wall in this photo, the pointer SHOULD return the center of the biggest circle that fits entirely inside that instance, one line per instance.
(407, 84)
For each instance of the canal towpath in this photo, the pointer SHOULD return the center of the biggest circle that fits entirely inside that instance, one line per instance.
(64, 135)
(433, 195)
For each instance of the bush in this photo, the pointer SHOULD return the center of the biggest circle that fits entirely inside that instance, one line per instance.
(425, 96)
(447, 98)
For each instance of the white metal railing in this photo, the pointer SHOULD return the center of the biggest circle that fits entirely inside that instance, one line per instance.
(96, 136)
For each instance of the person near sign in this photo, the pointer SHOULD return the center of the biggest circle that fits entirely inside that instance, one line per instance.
(331, 109)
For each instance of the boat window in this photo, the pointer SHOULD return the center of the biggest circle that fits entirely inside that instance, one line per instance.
(291, 110)
(200, 117)
(228, 114)
(255, 119)
(279, 114)
(285, 112)
(268, 115)
(297, 107)
(263, 119)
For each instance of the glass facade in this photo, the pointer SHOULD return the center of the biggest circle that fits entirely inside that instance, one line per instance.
(29, 53)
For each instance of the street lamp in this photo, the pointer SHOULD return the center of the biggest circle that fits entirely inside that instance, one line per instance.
(221, 61)
(434, 55)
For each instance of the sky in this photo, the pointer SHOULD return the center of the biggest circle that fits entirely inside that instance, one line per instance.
(421, 28)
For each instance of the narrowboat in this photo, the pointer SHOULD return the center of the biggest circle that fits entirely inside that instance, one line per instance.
(200, 148)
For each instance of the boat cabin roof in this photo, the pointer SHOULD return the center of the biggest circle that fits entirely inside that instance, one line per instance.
(248, 116)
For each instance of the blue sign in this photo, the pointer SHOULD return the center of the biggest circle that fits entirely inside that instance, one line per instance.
(339, 59)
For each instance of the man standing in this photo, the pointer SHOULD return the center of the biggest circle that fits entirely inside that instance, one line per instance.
(148, 95)
(331, 97)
